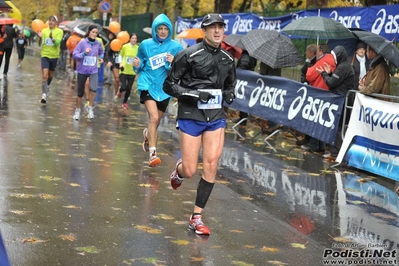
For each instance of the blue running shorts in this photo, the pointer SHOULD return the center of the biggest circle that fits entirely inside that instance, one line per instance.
(196, 128)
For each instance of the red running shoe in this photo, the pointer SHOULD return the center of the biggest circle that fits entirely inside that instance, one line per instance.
(198, 226)
(175, 180)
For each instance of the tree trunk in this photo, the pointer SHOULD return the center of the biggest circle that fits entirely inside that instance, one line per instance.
(223, 6)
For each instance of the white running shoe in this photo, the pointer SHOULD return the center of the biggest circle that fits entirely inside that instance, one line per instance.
(90, 111)
(44, 98)
(76, 116)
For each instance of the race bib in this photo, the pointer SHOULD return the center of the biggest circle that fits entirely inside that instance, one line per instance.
(129, 60)
(118, 59)
(215, 103)
(48, 42)
(21, 41)
(158, 61)
(89, 61)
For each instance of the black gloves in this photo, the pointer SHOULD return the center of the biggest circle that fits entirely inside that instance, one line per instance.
(204, 96)
(228, 97)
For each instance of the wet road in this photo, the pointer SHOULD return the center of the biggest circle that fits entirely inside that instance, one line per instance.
(81, 193)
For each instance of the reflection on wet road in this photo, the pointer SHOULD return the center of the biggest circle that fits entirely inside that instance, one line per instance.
(80, 192)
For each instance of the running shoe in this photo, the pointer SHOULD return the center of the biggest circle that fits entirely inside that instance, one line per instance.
(76, 116)
(154, 160)
(90, 111)
(175, 180)
(119, 94)
(125, 106)
(44, 98)
(198, 226)
(146, 147)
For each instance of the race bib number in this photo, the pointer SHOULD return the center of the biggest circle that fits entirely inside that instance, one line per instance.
(129, 60)
(20, 41)
(118, 59)
(49, 42)
(158, 61)
(90, 61)
(215, 103)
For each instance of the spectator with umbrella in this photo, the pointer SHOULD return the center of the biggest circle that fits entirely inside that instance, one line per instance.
(377, 78)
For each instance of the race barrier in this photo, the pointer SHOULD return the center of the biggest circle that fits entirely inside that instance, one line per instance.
(370, 141)
(304, 108)
(382, 20)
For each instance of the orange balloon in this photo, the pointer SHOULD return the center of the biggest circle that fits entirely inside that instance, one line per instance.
(116, 45)
(37, 25)
(114, 27)
(123, 36)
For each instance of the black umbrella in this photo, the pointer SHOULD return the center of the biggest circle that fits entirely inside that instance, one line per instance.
(272, 48)
(381, 45)
(235, 40)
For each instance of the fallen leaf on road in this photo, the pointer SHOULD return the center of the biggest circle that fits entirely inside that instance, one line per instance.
(34, 240)
(20, 212)
(22, 195)
(269, 249)
(341, 239)
(96, 160)
(181, 242)
(74, 184)
(50, 178)
(145, 185)
(68, 237)
(240, 263)
(246, 198)
(88, 249)
(71, 207)
(148, 229)
(271, 194)
(236, 231)
(197, 259)
(276, 262)
(297, 245)
(48, 196)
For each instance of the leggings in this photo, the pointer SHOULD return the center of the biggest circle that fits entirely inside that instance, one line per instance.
(126, 85)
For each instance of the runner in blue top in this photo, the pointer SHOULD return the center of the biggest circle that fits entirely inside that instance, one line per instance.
(154, 58)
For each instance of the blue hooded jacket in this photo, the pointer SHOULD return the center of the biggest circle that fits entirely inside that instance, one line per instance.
(151, 52)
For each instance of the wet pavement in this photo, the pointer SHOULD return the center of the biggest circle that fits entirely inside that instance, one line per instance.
(81, 193)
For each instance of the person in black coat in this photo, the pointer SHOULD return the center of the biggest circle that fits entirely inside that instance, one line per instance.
(249, 63)
(8, 45)
(340, 82)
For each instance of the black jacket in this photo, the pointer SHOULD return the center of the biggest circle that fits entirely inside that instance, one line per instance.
(11, 34)
(356, 68)
(200, 67)
(246, 61)
(342, 79)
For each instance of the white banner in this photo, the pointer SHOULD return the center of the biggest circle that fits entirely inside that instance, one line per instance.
(372, 139)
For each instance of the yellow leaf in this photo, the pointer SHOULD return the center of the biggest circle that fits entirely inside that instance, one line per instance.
(21, 212)
(71, 207)
(270, 194)
(148, 229)
(181, 242)
(341, 239)
(249, 246)
(385, 216)
(164, 217)
(74, 184)
(364, 180)
(47, 196)
(236, 231)
(297, 245)
(314, 174)
(34, 240)
(96, 160)
(50, 178)
(88, 249)
(22, 195)
(276, 262)
(240, 263)
(145, 185)
(67, 237)
(197, 259)
(246, 198)
(269, 249)
(223, 182)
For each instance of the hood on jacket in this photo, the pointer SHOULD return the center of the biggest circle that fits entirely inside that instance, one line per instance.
(161, 19)
(339, 54)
